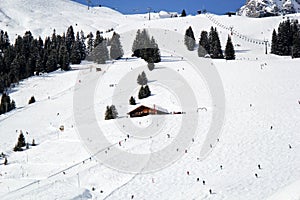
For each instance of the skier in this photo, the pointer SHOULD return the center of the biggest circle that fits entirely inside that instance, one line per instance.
(203, 182)
(210, 191)
(188, 173)
(258, 166)
(290, 146)
(271, 127)
(221, 167)
(256, 175)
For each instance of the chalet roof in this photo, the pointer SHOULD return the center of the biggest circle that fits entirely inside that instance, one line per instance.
(141, 107)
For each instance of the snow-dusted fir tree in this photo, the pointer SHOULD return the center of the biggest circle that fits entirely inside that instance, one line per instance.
(274, 43)
(142, 79)
(116, 51)
(146, 48)
(183, 13)
(189, 39)
(203, 44)
(111, 112)
(215, 44)
(229, 50)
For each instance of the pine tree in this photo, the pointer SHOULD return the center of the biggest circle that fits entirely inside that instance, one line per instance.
(183, 13)
(147, 91)
(98, 40)
(229, 50)
(215, 44)
(116, 51)
(21, 143)
(51, 64)
(274, 43)
(189, 39)
(132, 101)
(142, 79)
(111, 112)
(31, 100)
(6, 104)
(137, 44)
(76, 51)
(102, 53)
(70, 39)
(108, 115)
(64, 60)
(33, 142)
(144, 92)
(296, 46)
(90, 43)
(151, 66)
(204, 46)
(114, 111)
(146, 48)
(82, 45)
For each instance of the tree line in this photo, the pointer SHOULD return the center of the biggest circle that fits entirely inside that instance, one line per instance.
(209, 44)
(30, 56)
(286, 40)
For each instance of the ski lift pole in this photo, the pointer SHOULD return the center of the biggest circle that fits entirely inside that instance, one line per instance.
(149, 10)
(266, 45)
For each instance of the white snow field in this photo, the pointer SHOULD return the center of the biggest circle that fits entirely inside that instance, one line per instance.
(260, 91)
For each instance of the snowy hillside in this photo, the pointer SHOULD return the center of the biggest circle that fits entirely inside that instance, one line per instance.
(259, 8)
(261, 107)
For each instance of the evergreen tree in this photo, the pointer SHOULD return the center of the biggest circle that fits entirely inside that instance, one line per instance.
(82, 45)
(142, 79)
(114, 111)
(98, 40)
(296, 46)
(137, 44)
(90, 43)
(76, 51)
(183, 13)
(31, 100)
(204, 46)
(144, 92)
(116, 51)
(189, 39)
(147, 91)
(64, 60)
(6, 104)
(229, 50)
(146, 48)
(132, 101)
(274, 43)
(21, 143)
(215, 44)
(33, 142)
(51, 63)
(151, 66)
(111, 112)
(70, 39)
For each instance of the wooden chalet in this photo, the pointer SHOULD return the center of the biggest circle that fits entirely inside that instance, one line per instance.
(145, 110)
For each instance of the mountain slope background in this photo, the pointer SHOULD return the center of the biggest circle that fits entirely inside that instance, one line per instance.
(260, 8)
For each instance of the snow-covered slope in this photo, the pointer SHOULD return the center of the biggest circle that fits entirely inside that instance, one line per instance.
(61, 167)
(259, 8)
